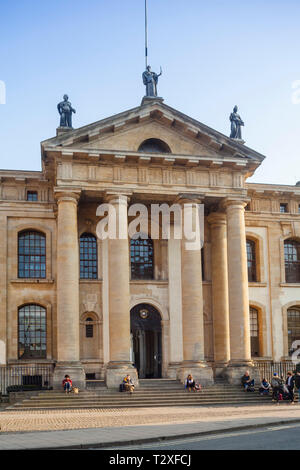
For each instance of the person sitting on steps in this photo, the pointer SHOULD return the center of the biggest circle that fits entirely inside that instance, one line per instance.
(247, 383)
(190, 383)
(67, 384)
(128, 384)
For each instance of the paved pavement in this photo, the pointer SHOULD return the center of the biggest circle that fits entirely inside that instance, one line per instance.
(282, 437)
(116, 427)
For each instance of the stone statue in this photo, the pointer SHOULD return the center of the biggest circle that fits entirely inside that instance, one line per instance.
(65, 110)
(150, 79)
(236, 123)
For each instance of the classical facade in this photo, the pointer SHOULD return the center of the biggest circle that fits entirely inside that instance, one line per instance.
(103, 308)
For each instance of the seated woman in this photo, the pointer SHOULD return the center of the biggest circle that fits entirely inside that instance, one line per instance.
(128, 384)
(190, 383)
(264, 388)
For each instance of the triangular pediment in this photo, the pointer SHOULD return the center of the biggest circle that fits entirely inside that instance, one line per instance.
(125, 132)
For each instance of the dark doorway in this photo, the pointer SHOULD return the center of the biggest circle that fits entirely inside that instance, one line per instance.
(145, 324)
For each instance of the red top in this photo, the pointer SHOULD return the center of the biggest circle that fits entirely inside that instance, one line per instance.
(67, 380)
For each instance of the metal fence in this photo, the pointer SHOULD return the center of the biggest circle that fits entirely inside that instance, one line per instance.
(36, 377)
(267, 369)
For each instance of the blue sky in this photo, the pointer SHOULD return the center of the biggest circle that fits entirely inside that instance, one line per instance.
(214, 54)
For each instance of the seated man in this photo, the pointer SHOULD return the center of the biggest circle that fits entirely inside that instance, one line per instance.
(247, 383)
(67, 384)
(277, 384)
(128, 384)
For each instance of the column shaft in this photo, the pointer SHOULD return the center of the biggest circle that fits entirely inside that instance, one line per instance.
(192, 301)
(67, 280)
(240, 350)
(119, 295)
(220, 302)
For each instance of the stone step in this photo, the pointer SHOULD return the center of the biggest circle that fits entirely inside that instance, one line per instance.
(142, 399)
(139, 400)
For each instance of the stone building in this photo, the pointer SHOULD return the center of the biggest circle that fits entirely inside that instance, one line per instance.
(93, 307)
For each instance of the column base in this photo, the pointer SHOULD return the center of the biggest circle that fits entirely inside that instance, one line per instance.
(235, 370)
(220, 369)
(172, 370)
(116, 371)
(200, 371)
(74, 369)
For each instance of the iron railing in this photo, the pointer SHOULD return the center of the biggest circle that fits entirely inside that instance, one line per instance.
(267, 369)
(24, 377)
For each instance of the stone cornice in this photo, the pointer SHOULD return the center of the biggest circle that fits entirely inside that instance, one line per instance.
(99, 156)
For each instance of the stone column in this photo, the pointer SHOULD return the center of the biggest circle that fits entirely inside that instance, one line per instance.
(220, 301)
(68, 351)
(119, 295)
(192, 299)
(240, 349)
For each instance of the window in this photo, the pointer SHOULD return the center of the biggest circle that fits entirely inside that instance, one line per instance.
(32, 332)
(154, 146)
(32, 196)
(292, 261)
(141, 256)
(89, 328)
(31, 255)
(293, 320)
(254, 332)
(251, 261)
(283, 207)
(299, 208)
(88, 256)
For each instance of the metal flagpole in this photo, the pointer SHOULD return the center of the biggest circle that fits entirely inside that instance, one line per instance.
(146, 35)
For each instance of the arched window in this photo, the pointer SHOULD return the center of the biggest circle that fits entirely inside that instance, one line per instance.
(88, 256)
(31, 254)
(89, 328)
(141, 257)
(32, 328)
(293, 321)
(154, 146)
(254, 332)
(292, 261)
(251, 260)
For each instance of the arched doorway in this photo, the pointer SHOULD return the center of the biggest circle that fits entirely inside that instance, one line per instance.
(145, 324)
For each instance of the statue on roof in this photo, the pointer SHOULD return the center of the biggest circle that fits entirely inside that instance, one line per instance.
(65, 110)
(150, 80)
(236, 123)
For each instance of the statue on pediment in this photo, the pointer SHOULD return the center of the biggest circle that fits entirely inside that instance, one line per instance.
(65, 110)
(236, 124)
(150, 80)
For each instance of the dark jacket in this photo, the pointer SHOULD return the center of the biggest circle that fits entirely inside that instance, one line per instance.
(292, 382)
(297, 380)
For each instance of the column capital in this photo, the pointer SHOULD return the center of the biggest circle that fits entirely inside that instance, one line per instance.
(67, 194)
(114, 197)
(217, 218)
(189, 198)
(235, 202)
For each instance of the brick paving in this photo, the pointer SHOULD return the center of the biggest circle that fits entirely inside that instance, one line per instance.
(47, 420)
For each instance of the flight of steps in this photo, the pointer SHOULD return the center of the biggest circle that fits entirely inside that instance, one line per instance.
(151, 393)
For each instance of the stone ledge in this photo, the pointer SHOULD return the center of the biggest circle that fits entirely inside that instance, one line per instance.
(149, 281)
(31, 281)
(258, 284)
(290, 284)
